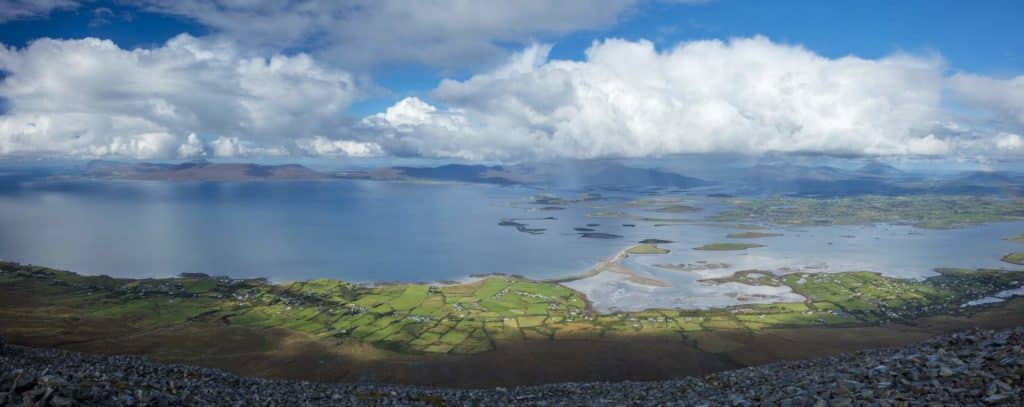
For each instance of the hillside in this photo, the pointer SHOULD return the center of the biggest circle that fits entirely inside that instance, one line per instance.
(565, 174)
(968, 368)
(199, 171)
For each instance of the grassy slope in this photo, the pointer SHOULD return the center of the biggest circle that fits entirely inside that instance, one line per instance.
(478, 316)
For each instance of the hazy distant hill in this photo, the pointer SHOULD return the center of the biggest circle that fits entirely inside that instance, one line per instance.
(988, 178)
(565, 174)
(199, 171)
(871, 179)
(814, 180)
(467, 173)
(982, 182)
(613, 174)
(879, 169)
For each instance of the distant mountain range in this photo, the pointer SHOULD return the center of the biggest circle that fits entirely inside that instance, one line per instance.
(786, 179)
(563, 174)
(872, 178)
(199, 171)
(879, 169)
(569, 174)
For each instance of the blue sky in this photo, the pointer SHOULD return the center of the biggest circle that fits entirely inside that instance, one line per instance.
(980, 37)
(391, 54)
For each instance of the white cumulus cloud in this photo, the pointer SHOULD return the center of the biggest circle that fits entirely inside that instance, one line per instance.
(927, 145)
(322, 146)
(233, 147)
(90, 97)
(629, 99)
(192, 147)
(1009, 142)
(1002, 96)
(146, 145)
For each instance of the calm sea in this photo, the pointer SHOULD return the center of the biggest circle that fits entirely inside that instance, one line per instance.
(367, 231)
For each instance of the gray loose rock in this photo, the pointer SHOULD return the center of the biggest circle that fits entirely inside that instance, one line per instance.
(972, 368)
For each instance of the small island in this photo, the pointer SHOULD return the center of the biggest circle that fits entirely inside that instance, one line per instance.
(728, 246)
(600, 235)
(655, 241)
(646, 248)
(677, 209)
(751, 235)
(1014, 258)
(607, 214)
(748, 277)
(698, 266)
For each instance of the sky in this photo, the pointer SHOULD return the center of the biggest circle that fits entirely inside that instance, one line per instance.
(516, 81)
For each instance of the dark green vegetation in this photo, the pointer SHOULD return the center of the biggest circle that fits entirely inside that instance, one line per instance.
(600, 235)
(728, 246)
(751, 235)
(655, 241)
(522, 227)
(925, 211)
(477, 316)
(871, 296)
(677, 209)
(1014, 258)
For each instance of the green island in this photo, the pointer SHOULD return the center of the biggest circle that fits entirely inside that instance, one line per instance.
(652, 201)
(655, 241)
(728, 246)
(1014, 258)
(751, 235)
(748, 277)
(1018, 239)
(647, 248)
(656, 219)
(924, 211)
(470, 317)
(678, 209)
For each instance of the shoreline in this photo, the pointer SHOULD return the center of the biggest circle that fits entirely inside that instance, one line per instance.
(611, 264)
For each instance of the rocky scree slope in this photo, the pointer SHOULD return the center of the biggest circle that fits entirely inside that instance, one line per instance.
(968, 368)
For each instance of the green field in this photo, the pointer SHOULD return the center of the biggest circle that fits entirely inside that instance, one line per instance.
(646, 248)
(925, 211)
(477, 316)
(728, 246)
